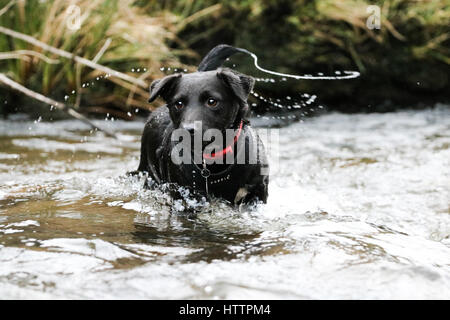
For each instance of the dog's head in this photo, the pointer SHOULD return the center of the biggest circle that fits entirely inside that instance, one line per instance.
(217, 98)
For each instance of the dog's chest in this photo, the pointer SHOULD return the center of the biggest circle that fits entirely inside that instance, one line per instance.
(225, 184)
(227, 180)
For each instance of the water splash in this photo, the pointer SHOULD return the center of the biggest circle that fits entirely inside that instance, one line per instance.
(348, 74)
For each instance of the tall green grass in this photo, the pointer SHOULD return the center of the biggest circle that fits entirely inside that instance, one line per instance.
(131, 38)
(308, 36)
(293, 36)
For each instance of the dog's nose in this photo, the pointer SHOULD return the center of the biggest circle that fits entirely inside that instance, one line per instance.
(189, 127)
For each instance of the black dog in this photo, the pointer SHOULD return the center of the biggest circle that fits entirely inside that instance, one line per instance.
(215, 98)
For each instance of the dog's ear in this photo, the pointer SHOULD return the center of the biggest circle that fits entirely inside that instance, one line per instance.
(239, 83)
(162, 87)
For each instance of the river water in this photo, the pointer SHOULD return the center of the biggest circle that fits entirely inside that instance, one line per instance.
(359, 208)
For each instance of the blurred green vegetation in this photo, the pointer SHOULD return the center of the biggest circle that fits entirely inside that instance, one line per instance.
(113, 33)
(404, 63)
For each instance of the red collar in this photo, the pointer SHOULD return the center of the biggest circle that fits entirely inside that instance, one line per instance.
(228, 149)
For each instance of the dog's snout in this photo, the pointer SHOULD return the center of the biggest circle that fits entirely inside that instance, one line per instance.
(190, 127)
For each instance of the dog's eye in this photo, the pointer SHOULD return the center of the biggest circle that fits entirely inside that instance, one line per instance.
(211, 102)
(179, 104)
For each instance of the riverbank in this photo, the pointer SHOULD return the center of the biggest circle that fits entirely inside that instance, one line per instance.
(404, 63)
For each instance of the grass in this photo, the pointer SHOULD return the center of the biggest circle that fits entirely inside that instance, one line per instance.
(299, 36)
(310, 36)
(114, 33)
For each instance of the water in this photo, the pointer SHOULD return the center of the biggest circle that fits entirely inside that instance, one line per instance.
(358, 209)
(338, 74)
